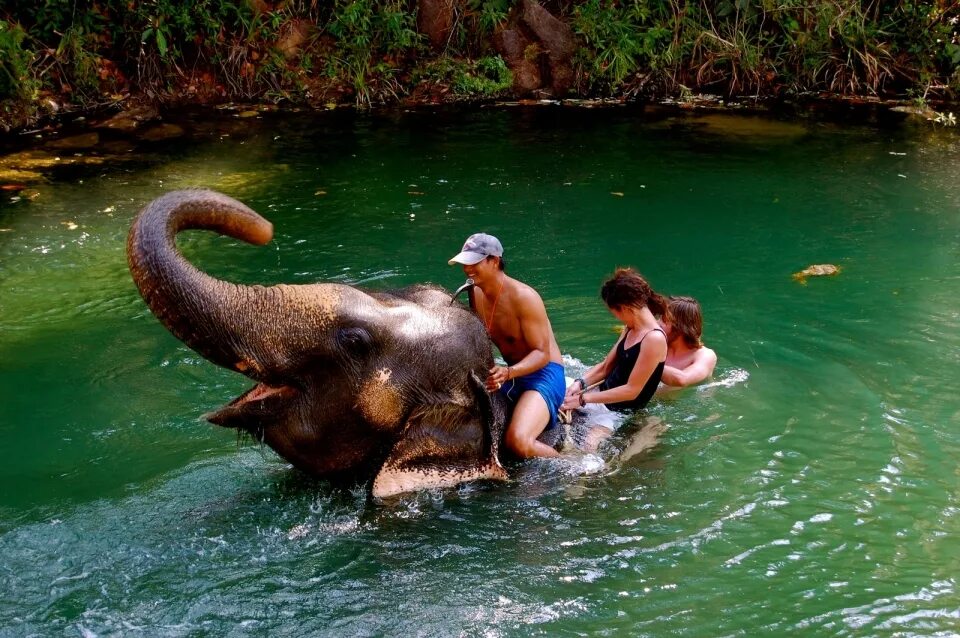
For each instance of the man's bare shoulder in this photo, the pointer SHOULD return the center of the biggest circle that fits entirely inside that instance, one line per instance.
(525, 294)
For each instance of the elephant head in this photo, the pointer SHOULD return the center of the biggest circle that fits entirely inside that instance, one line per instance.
(347, 381)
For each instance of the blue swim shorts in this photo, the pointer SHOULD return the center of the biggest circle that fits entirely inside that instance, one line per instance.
(548, 381)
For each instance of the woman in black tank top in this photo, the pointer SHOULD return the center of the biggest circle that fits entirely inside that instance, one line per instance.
(630, 373)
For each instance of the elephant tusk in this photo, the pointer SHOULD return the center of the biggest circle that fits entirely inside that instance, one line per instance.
(457, 292)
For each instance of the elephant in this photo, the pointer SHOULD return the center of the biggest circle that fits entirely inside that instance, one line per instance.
(349, 383)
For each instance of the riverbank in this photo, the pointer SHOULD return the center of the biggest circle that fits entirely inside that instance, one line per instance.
(119, 56)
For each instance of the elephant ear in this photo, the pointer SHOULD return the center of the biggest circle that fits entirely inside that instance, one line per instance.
(444, 445)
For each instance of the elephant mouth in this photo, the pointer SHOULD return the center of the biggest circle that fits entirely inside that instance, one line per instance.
(254, 408)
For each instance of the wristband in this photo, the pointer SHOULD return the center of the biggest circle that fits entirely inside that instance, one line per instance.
(582, 401)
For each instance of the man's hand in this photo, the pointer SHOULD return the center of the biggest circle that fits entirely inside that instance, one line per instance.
(498, 375)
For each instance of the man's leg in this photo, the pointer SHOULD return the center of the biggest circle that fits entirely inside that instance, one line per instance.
(530, 418)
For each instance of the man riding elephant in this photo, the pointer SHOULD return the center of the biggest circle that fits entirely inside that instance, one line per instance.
(353, 383)
(516, 320)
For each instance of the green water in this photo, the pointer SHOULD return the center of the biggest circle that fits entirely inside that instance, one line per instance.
(813, 490)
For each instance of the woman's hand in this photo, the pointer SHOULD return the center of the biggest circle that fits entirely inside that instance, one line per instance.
(497, 376)
(574, 388)
(571, 402)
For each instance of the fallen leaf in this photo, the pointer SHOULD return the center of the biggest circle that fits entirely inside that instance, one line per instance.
(414, 193)
(816, 270)
(320, 193)
(248, 114)
(616, 193)
(70, 225)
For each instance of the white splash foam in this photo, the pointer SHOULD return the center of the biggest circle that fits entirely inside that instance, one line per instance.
(728, 380)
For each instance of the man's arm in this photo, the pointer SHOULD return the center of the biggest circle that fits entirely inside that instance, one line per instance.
(536, 332)
(701, 368)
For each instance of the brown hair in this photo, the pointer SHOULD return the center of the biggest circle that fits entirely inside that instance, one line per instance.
(687, 319)
(627, 288)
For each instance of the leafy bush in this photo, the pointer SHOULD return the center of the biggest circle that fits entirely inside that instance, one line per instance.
(487, 77)
(621, 38)
(365, 29)
(16, 81)
(762, 47)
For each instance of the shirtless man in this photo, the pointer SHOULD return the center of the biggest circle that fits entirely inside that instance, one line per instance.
(517, 322)
(688, 361)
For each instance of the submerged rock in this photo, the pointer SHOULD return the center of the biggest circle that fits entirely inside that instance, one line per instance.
(131, 119)
(12, 178)
(162, 132)
(75, 142)
(750, 126)
(25, 167)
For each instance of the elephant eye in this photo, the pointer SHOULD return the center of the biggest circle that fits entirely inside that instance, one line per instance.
(354, 340)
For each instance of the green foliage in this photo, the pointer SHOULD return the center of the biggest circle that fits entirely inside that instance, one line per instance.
(488, 77)
(364, 30)
(81, 49)
(15, 72)
(843, 46)
(173, 29)
(488, 14)
(620, 39)
(475, 21)
(81, 64)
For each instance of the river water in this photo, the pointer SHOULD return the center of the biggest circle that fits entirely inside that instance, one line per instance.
(812, 488)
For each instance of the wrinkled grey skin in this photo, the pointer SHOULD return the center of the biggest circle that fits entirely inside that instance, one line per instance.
(348, 382)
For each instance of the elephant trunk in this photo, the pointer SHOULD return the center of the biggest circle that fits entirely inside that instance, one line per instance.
(218, 319)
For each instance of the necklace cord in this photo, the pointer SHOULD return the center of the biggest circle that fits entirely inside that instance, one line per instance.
(493, 309)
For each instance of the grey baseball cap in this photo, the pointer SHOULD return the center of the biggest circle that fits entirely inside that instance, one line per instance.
(478, 247)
